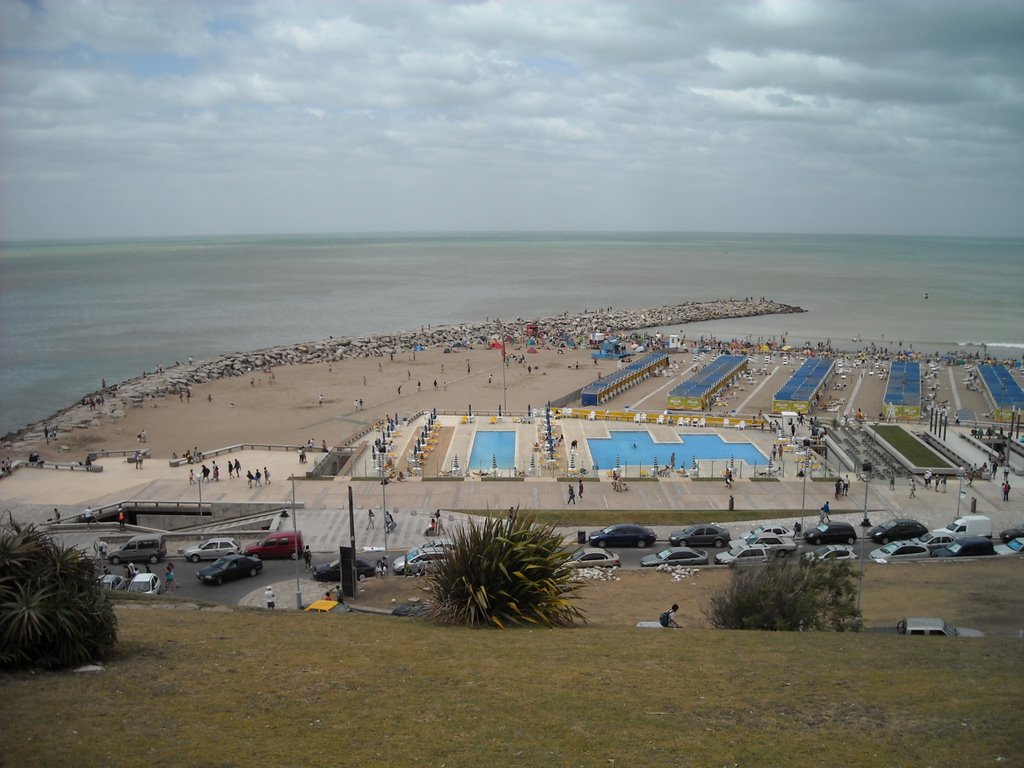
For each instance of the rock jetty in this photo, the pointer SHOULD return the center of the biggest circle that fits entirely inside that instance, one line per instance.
(116, 399)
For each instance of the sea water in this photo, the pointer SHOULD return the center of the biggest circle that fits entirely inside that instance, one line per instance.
(73, 313)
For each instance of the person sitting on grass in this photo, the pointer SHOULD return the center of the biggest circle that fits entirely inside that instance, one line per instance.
(668, 618)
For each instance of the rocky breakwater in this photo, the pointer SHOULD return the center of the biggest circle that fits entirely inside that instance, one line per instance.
(115, 400)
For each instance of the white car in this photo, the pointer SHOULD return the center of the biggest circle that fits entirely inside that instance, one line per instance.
(145, 584)
(1012, 547)
(831, 552)
(213, 549)
(936, 539)
(593, 557)
(744, 554)
(780, 546)
(899, 550)
(773, 528)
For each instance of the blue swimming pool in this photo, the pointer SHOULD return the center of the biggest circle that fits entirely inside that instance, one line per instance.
(492, 446)
(636, 448)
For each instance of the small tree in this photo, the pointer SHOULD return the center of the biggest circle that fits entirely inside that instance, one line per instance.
(53, 613)
(505, 572)
(812, 595)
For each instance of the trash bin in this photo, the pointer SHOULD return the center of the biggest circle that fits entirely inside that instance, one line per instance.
(581, 537)
(974, 504)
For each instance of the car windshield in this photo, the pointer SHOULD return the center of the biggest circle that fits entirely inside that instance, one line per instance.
(665, 553)
(222, 562)
(822, 551)
(823, 527)
(412, 553)
(954, 547)
(1016, 544)
(139, 586)
(890, 548)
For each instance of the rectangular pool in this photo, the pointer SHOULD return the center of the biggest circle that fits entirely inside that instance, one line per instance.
(637, 448)
(493, 448)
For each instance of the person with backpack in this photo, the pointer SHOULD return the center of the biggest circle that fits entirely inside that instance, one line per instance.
(668, 618)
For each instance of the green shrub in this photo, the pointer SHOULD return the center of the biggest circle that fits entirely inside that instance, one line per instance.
(811, 595)
(53, 612)
(503, 572)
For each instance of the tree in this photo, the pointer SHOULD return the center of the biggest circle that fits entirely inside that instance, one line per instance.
(812, 595)
(53, 612)
(505, 572)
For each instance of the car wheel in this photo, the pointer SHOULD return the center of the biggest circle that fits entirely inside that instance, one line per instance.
(154, 559)
(361, 577)
(641, 544)
(783, 553)
(719, 543)
(601, 543)
(816, 539)
(218, 581)
(294, 556)
(851, 540)
(193, 558)
(115, 560)
(252, 571)
(885, 540)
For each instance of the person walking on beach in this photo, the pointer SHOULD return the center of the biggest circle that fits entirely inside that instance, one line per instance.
(238, 469)
(580, 494)
(913, 487)
(268, 595)
(572, 496)
(369, 519)
(266, 476)
(1006, 490)
(191, 477)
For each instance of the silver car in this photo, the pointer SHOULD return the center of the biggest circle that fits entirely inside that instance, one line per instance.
(416, 561)
(213, 549)
(675, 556)
(899, 550)
(831, 552)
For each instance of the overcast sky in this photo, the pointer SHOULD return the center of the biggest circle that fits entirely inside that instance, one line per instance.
(173, 118)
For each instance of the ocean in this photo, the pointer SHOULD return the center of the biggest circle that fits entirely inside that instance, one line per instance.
(73, 313)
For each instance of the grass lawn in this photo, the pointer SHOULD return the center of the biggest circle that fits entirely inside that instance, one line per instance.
(222, 687)
(917, 453)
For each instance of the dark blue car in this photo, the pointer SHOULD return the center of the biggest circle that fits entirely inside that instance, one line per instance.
(624, 535)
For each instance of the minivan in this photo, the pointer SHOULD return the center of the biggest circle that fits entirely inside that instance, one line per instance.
(145, 547)
(971, 525)
(969, 546)
(281, 544)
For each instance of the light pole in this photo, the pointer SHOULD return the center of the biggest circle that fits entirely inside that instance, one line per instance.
(384, 511)
(803, 500)
(866, 469)
(960, 491)
(295, 528)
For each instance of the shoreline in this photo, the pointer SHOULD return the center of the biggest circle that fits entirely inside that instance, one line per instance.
(115, 399)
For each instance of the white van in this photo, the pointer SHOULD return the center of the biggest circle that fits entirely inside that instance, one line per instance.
(971, 525)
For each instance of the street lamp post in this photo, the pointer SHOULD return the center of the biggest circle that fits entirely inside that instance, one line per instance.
(803, 500)
(384, 512)
(960, 491)
(295, 528)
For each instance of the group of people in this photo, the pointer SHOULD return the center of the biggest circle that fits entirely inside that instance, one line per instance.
(206, 474)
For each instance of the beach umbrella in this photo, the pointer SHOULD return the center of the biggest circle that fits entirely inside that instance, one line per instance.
(494, 463)
(732, 462)
(770, 465)
(572, 461)
(618, 462)
(694, 460)
(655, 466)
(533, 463)
(455, 465)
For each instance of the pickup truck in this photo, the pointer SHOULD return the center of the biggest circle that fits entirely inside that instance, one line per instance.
(918, 626)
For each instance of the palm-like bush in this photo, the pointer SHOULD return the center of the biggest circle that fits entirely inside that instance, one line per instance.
(53, 612)
(505, 572)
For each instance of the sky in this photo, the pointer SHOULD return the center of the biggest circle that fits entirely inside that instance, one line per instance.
(169, 117)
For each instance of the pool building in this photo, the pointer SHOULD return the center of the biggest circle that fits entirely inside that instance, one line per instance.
(1003, 391)
(902, 398)
(696, 393)
(798, 393)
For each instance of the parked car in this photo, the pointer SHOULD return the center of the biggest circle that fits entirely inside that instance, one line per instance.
(969, 546)
(831, 533)
(228, 568)
(675, 556)
(776, 528)
(113, 582)
(780, 546)
(700, 536)
(146, 547)
(831, 552)
(591, 557)
(897, 530)
(145, 584)
(624, 535)
(1014, 532)
(937, 539)
(899, 550)
(332, 571)
(212, 550)
(1012, 547)
(744, 554)
(416, 560)
(280, 544)
(917, 626)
